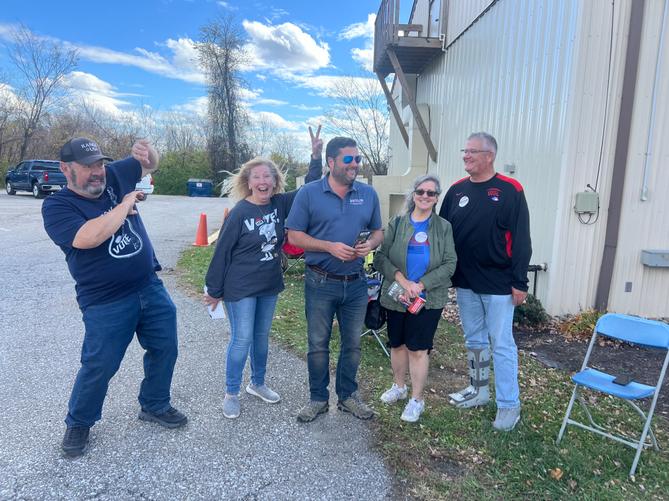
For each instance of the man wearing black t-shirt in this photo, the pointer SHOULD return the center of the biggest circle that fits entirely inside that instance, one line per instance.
(491, 229)
(95, 222)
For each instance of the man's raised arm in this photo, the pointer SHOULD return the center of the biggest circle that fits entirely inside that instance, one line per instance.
(144, 152)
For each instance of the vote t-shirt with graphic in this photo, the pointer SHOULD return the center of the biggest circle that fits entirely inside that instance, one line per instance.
(119, 266)
(418, 250)
(247, 261)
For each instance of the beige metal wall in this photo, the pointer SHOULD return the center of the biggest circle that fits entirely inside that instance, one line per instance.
(461, 13)
(645, 224)
(510, 75)
(587, 157)
(534, 74)
(420, 14)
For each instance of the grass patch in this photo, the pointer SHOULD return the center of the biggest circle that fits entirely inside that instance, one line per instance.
(456, 454)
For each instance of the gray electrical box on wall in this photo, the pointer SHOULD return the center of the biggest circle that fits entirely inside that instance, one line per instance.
(655, 258)
(587, 202)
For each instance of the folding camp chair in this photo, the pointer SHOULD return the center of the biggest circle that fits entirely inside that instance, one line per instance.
(292, 253)
(374, 280)
(634, 330)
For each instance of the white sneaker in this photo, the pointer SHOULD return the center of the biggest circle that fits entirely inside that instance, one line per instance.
(394, 394)
(413, 410)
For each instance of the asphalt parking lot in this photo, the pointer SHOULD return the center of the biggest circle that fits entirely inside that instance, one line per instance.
(264, 454)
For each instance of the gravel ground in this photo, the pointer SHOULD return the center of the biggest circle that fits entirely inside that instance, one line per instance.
(264, 454)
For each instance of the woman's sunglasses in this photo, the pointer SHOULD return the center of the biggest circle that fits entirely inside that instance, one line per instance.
(347, 159)
(429, 193)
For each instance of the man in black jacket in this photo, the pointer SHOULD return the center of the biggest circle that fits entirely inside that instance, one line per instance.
(491, 229)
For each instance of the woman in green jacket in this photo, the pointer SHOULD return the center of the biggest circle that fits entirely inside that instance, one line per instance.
(418, 254)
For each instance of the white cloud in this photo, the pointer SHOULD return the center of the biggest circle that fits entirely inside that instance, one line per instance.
(363, 56)
(285, 46)
(195, 106)
(7, 30)
(271, 102)
(359, 30)
(275, 119)
(249, 94)
(304, 107)
(181, 62)
(277, 13)
(95, 92)
(9, 100)
(325, 85)
(226, 5)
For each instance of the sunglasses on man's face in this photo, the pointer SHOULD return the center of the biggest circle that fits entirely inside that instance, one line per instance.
(429, 193)
(347, 159)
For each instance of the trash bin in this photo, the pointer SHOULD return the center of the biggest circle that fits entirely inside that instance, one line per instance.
(200, 187)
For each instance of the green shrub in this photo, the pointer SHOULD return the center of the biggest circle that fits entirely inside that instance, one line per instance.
(531, 313)
(176, 168)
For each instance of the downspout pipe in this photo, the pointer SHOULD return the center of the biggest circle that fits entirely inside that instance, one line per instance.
(653, 101)
(620, 157)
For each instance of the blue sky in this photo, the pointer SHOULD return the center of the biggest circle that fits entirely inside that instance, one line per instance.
(138, 53)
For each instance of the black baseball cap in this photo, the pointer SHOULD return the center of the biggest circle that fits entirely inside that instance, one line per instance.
(81, 150)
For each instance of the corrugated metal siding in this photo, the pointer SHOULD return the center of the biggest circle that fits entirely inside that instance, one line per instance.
(421, 15)
(509, 75)
(461, 13)
(534, 74)
(577, 247)
(645, 224)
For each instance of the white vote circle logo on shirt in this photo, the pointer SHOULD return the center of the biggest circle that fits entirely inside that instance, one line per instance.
(463, 201)
(421, 237)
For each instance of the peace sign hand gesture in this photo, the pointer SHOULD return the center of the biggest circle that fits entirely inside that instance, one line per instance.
(316, 143)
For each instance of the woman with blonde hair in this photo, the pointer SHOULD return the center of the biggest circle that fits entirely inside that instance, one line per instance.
(245, 273)
(419, 254)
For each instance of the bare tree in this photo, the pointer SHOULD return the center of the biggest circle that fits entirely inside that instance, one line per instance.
(181, 132)
(222, 55)
(361, 112)
(285, 152)
(41, 65)
(8, 118)
(262, 134)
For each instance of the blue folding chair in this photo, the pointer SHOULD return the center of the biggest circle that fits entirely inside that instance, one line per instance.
(634, 330)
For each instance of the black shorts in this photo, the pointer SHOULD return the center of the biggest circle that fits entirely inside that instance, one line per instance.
(414, 331)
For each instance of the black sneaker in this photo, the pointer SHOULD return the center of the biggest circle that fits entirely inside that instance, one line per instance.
(75, 441)
(171, 418)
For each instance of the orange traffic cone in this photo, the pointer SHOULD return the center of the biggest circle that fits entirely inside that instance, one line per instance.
(201, 235)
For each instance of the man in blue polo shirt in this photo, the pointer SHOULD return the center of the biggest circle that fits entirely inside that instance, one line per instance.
(326, 218)
(95, 223)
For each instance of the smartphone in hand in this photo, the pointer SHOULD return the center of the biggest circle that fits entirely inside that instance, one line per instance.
(362, 237)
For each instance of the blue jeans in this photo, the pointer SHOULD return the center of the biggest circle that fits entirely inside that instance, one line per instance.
(110, 328)
(488, 319)
(323, 299)
(250, 321)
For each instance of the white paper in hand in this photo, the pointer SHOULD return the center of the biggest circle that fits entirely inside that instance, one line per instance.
(218, 311)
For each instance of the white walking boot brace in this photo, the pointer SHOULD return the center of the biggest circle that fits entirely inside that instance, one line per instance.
(477, 393)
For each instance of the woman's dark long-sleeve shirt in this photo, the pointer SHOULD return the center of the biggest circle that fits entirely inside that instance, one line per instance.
(246, 261)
